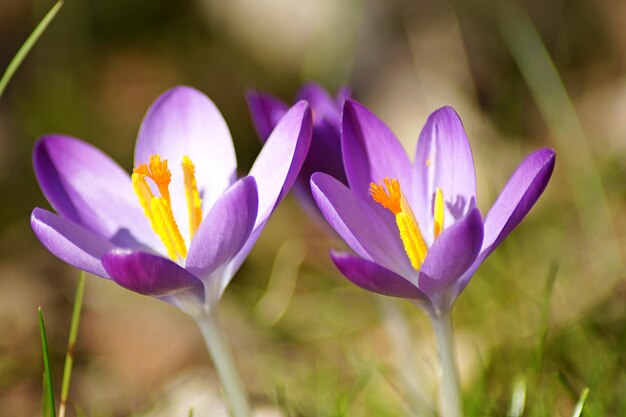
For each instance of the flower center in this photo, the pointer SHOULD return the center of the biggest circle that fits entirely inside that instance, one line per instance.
(158, 209)
(388, 194)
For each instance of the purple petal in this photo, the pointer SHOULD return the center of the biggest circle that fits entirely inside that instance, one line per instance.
(518, 196)
(443, 159)
(275, 170)
(281, 158)
(323, 106)
(343, 94)
(359, 225)
(225, 229)
(452, 253)
(185, 122)
(70, 242)
(373, 277)
(371, 151)
(515, 201)
(266, 110)
(88, 188)
(149, 274)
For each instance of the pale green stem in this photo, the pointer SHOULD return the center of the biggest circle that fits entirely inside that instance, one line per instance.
(224, 365)
(449, 391)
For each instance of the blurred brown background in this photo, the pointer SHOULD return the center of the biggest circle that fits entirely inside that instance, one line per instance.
(310, 343)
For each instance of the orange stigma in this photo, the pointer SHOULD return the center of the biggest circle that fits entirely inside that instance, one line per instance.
(388, 194)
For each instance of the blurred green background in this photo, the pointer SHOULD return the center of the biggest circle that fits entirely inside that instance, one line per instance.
(545, 316)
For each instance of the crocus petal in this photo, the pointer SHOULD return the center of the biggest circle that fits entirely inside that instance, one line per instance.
(266, 111)
(373, 277)
(70, 242)
(443, 159)
(515, 201)
(343, 94)
(149, 274)
(185, 122)
(281, 158)
(88, 188)
(324, 107)
(371, 151)
(359, 225)
(225, 229)
(450, 256)
(275, 170)
(518, 196)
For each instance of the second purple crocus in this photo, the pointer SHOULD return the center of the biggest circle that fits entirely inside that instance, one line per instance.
(414, 226)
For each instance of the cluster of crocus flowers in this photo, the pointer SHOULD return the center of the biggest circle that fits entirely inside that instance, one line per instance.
(180, 224)
(178, 227)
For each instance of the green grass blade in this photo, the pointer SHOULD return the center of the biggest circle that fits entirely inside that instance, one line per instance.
(578, 411)
(49, 391)
(553, 101)
(545, 316)
(69, 356)
(28, 45)
(518, 398)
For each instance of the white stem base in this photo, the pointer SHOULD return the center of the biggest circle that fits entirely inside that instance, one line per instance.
(224, 365)
(449, 391)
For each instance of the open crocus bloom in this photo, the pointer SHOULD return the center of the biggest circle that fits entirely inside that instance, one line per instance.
(181, 224)
(325, 152)
(415, 226)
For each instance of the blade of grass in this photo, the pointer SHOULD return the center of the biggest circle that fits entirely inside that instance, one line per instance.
(28, 45)
(578, 410)
(49, 392)
(69, 356)
(518, 398)
(545, 316)
(543, 80)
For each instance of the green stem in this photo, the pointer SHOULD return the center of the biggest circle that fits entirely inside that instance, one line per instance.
(69, 356)
(449, 393)
(224, 365)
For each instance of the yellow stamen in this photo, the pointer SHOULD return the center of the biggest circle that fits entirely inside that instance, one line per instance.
(412, 239)
(439, 212)
(389, 195)
(194, 203)
(166, 228)
(157, 171)
(144, 193)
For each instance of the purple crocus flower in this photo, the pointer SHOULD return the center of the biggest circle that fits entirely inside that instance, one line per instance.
(415, 227)
(325, 152)
(180, 226)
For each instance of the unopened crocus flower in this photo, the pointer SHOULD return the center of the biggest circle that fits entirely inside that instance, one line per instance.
(180, 224)
(415, 227)
(325, 151)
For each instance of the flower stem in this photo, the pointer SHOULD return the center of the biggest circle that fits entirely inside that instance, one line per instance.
(449, 393)
(224, 365)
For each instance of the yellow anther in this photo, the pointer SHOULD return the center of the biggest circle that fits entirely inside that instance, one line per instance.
(194, 203)
(389, 195)
(157, 171)
(165, 227)
(439, 212)
(412, 239)
(143, 193)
